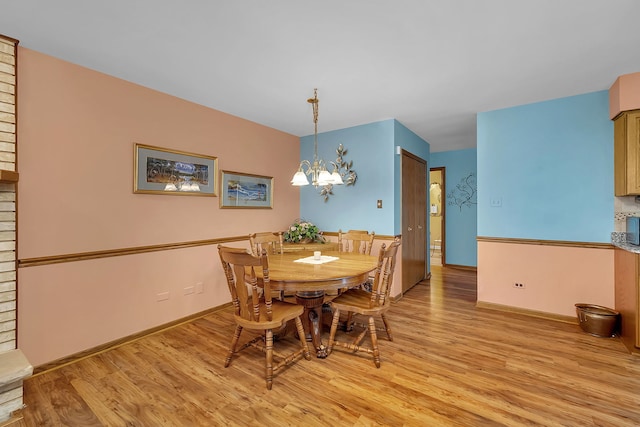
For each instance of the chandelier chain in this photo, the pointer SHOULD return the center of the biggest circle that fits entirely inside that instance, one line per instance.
(314, 104)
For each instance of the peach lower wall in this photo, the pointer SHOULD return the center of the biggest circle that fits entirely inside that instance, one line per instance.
(624, 94)
(70, 307)
(555, 277)
(76, 132)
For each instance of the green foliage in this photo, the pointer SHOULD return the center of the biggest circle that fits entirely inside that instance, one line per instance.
(303, 231)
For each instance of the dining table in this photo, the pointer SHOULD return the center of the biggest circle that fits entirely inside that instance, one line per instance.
(311, 278)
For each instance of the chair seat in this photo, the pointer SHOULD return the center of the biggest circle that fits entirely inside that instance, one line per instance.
(358, 301)
(282, 312)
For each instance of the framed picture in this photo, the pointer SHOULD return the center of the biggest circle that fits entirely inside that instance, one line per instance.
(163, 171)
(243, 190)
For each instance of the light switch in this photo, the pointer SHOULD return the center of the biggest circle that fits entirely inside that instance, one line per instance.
(379, 204)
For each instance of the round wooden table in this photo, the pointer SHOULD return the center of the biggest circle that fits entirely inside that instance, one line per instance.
(310, 281)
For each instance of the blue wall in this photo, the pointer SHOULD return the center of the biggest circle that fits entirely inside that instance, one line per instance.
(371, 149)
(460, 221)
(545, 170)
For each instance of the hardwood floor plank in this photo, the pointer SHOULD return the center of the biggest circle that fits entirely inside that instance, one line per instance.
(450, 364)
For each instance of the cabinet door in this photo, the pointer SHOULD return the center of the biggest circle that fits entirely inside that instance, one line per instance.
(627, 153)
(626, 293)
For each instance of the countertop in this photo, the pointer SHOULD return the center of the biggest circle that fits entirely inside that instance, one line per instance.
(619, 240)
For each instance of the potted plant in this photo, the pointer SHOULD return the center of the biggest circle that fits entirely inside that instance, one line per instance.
(302, 231)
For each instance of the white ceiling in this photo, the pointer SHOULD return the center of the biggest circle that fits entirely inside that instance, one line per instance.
(430, 64)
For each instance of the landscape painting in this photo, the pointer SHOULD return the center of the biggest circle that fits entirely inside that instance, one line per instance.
(163, 171)
(243, 190)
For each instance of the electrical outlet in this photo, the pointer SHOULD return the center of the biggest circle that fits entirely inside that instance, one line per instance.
(518, 285)
(199, 287)
(162, 296)
(189, 290)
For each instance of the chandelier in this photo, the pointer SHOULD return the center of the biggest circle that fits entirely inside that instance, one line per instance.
(318, 168)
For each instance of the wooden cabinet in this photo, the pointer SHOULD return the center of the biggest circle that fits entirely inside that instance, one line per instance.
(626, 137)
(627, 290)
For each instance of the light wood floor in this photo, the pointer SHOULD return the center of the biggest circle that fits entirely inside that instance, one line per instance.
(450, 364)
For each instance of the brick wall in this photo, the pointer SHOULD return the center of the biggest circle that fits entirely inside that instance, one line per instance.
(10, 394)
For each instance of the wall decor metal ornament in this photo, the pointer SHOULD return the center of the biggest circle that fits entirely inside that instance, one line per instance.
(465, 192)
(343, 168)
(163, 171)
(245, 191)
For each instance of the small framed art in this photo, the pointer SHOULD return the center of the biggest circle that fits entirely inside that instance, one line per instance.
(244, 190)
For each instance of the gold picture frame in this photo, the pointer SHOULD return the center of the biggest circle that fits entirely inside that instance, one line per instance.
(160, 170)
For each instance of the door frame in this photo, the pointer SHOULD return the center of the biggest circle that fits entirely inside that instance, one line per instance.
(443, 221)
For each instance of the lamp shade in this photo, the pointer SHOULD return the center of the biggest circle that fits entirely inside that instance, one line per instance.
(337, 179)
(324, 178)
(299, 178)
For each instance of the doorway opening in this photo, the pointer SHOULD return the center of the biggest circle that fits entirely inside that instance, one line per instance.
(437, 208)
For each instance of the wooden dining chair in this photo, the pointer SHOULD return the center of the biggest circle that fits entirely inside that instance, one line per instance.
(271, 242)
(257, 311)
(370, 304)
(359, 241)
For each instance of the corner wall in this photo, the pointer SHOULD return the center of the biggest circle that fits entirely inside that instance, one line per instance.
(370, 148)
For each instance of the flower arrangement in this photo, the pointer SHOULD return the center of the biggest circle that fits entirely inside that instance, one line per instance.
(303, 231)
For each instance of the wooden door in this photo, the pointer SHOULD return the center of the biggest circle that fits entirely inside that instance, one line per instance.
(414, 220)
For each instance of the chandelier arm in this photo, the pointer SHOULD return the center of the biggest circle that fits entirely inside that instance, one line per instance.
(307, 164)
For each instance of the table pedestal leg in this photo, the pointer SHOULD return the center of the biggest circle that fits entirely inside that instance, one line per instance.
(312, 318)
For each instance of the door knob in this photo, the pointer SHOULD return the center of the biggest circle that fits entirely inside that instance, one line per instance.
(409, 229)
(419, 227)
